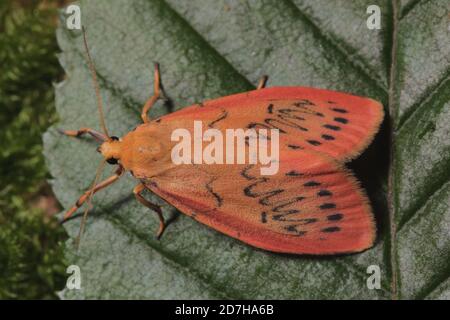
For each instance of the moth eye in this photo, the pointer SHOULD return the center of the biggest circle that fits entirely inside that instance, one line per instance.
(114, 138)
(111, 160)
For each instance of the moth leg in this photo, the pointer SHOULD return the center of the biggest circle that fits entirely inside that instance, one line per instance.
(105, 183)
(78, 133)
(162, 224)
(262, 82)
(157, 93)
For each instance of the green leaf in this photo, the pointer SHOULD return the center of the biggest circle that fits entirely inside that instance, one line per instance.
(421, 163)
(210, 49)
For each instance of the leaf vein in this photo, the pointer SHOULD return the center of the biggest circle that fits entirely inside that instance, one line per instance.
(362, 69)
(443, 83)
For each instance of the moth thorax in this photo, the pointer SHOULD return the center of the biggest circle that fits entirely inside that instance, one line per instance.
(111, 149)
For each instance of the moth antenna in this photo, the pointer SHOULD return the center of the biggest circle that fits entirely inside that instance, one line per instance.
(96, 86)
(89, 202)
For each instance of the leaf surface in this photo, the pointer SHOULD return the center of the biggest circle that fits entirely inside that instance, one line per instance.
(209, 49)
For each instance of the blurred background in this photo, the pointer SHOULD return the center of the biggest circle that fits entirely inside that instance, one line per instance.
(31, 257)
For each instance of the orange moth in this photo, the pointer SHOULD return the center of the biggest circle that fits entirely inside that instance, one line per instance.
(312, 205)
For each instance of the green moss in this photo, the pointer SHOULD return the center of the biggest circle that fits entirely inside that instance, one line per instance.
(31, 259)
(30, 253)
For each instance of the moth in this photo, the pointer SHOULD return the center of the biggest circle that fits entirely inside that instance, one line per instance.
(312, 205)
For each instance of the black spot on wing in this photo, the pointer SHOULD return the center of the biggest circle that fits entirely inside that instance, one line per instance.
(295, 147)
(327, 205)
(331, 229)
(294, 173)
(263, 217)
(327, 137)
(339, 110)
(323, 193)
(312, 184)
(307, 221)
(341, 120)
(314, 142)
(332, 127)
(335, 217)
(293, 229)
(303, 103)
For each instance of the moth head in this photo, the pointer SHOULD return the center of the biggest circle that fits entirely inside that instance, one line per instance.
(111, 150)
